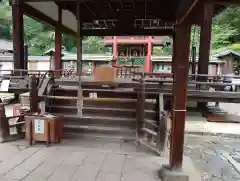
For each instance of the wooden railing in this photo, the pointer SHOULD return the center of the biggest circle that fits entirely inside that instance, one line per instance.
(11, 127)
(127, 71)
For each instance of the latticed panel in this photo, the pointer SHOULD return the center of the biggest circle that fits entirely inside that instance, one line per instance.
(130, 60)
(123, 60)
(138, 61)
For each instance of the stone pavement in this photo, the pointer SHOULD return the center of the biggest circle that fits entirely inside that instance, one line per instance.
(196, 124)
(82, 160)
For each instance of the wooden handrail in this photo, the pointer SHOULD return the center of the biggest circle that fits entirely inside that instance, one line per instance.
(17, 116)
(42, 79)
(16, 124)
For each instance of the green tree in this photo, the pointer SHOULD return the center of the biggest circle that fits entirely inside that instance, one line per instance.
(94, 44)
(5, 19)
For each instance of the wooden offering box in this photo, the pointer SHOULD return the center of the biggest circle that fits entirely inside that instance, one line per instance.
(46, 128)
(106, 74)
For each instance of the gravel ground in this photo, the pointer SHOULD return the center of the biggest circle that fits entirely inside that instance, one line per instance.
(205, 152)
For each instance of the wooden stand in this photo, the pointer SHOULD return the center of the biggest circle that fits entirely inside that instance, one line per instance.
(44, 129)
(106, 74)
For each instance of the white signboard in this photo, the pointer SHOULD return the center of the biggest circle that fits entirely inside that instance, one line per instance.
(5, 85)
(93, 95)
(39, 126)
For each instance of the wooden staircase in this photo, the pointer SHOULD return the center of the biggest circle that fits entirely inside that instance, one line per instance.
(111, 115)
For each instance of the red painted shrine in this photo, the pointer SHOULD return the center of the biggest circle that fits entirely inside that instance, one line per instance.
(136, 50)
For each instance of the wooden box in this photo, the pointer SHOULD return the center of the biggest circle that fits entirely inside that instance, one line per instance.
(42, 128)
(106, 74)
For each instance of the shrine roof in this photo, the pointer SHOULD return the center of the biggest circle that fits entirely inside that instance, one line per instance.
(228, 53)
(115, 17)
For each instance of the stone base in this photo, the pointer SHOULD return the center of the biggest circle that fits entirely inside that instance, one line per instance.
(166, 174)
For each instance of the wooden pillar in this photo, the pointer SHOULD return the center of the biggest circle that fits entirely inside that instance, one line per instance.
(93, 67)
(18, 34)
(58, 43)
(148, 63)
(205, 43)
(173, 63)
(181, 63)
(217, 69)
(115, 50)
(79, 61)
(205, 40)
(193, 60)
(25, 59)
(33, 95)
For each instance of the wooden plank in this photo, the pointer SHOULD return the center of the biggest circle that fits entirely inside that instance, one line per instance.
(42, 87)
(149, 131)
(140, 109)
(151, 122)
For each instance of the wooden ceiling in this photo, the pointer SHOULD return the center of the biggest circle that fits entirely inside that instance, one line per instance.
(127, 10)
(127, 17)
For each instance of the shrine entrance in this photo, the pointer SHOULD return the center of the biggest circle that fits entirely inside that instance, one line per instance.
(132, 55)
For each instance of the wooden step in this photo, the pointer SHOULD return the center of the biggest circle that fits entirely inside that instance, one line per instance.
(63, 92)
(63, 102)
(110, 112)
(116, 136)
(101, 93)
(101, 111)
(98, 131)
(98, 120)
(68, 109)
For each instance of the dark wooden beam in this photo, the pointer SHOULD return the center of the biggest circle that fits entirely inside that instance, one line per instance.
(58, 42)
(205, 44)
(18, 36)
(29, 11)
(121, 31)
(184, 9)
(39, 16)
(181, 57)
(205, 38)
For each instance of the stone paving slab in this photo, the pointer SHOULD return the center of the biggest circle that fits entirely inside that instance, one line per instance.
(10, 163)
(196, 125)
(77, 162)
(113, 163)
(106, 176)
(63, 173)
(87, 172)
